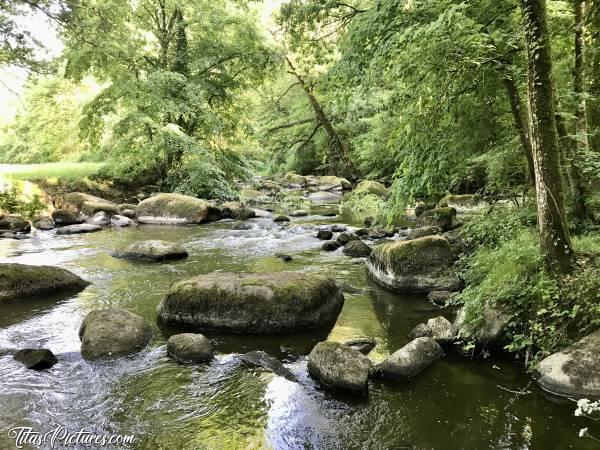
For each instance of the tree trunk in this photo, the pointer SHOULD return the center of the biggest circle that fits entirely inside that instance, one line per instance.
(337, 145)
(578, 77)
(520, 122)
(555, 242)
(593, 82)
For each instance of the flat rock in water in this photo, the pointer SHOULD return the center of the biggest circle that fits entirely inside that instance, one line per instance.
(190, 348)
(266, 303)
(78, 229)
(112, 332)
(20, 281)
(262, 359)
(324, 197)
(339, 367)
(36, 358)
(574, 371)
(152, 250)
(410, 359)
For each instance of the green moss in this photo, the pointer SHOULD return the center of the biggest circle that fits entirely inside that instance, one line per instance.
(415, 256)
(176, 206)
(76, 199)
(91, 208)
(373, 187)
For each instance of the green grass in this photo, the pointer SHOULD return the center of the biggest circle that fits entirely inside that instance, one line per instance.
(62, 170)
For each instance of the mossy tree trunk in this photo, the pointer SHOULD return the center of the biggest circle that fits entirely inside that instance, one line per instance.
(593, 75)
(555, 241)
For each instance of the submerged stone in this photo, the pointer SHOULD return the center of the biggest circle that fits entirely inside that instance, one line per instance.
(266, 303)
(364, 345)
(259, 358)
(152, 250)
(339, 367)
(112, 332)
(20, 281)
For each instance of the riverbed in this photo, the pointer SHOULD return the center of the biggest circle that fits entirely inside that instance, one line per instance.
(457, 403)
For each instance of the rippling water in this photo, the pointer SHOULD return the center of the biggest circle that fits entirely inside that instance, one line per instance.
(455, 404)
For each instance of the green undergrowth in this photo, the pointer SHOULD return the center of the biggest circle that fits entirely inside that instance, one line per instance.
(364, 204)
(505, 272)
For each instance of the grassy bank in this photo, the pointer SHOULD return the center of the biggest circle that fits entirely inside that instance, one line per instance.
(60, 170)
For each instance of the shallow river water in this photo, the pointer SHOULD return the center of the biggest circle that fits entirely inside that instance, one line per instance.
(455, 404)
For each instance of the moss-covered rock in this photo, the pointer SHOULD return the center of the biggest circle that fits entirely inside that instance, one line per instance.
(344, 238)
(88, 209)
(372, 187)
(43, 223)
(330, 183)
(35, 358)
(20, 281)
(439, 217)
(252, 303)
(357, 249)
(461, 201)
(75, 200)
(417, 233)
(173, 209)
(112, 332)
(574, 371)
(152, 250)
(119, 221)
(64, 217)
(488, 330)
(339, 367)
(190, 348)
(292, 179)
(101, 218)
(331, 246)
(410, 359)
(416, 266)
(14, 223)
(325, 197)
(254, 196)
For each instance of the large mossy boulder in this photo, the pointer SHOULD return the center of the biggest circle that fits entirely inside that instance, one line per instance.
(252, 302)
(439, 217)
(64, 217)
(14, 223)
(190, 348)
(410, 359)
(20, 281)
(372, 187)
(573, 372)
(416, 266)
(174, 209)
(339, 367)
(152, 250)
(112, 332)
(75, 200)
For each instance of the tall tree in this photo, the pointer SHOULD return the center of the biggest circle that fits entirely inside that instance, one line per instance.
(555, 241)
(593, 74)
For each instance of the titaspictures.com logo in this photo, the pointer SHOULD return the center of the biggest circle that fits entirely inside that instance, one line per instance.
(62, 437)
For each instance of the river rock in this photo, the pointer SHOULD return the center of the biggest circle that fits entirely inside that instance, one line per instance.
(461, 202)
(574, 371)
(417, 233)
(44, 223)
(254, 196)
(331, 183)
(410, 359)
(416, 266)
(372, 187)
(190, 348)
(324, 197)
(362, 232)
(439, 217)
(364, 345)
(377, 233)
(101, 218)
(64, 217)
(324, 235)
(244, 226)
(241, 213)
(281, 219)
(124, 206)
(439, 298)
(119, 221)
(173, 209)
(270, 186)
(331, 246)
(357, 249)
(20, 281)
(299, 213)
(489, 330)
(14, 223)
(152, 250)
(293, 180)
(129, 213)
(78, 229)
(344, 238)
(337, 228)
(36, 358)
(75, 200)
(421, 330)
(262, 359)
(339, 367)
(266, 303)
(442, 331)
(112, 332)
(90, 209)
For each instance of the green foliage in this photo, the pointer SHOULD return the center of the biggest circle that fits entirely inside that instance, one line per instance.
(364, 204)
(13, 202)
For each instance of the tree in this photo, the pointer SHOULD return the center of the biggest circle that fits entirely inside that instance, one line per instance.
(555, 241)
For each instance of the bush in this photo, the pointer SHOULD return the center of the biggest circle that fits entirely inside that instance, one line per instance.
(12, 202)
